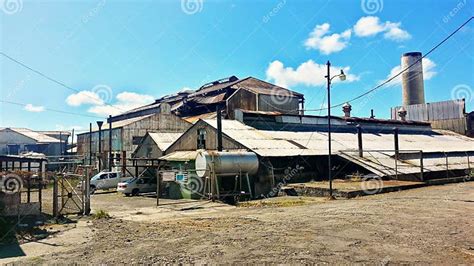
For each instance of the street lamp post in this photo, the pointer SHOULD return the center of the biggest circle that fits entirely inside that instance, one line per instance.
(341, 76)
(99, 124)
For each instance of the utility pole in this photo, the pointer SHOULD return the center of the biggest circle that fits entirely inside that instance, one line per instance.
(341, 76)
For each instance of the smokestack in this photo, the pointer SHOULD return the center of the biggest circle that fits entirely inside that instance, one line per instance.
(413, 89)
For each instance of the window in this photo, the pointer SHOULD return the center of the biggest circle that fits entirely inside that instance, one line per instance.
(201, 138)
(113, 175)
(103, 176)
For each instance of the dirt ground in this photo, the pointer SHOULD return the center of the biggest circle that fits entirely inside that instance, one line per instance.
(432, 225)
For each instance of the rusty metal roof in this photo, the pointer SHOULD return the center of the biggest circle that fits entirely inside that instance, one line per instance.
(164, 139)
(270, 143)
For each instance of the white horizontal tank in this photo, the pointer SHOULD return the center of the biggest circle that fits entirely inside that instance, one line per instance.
(226, 163)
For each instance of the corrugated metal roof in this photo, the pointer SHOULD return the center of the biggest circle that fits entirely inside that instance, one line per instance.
(270, 143)
(180, 156)
(164, 140)
(37, 136)
(262, 87)
(118, 124)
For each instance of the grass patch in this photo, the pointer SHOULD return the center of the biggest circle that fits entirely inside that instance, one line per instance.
(274, 202)
(101, 214)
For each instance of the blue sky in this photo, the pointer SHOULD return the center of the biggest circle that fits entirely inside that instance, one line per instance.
(127, 53)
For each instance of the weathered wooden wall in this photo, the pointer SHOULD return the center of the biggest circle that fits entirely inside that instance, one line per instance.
(241, 99)
(285, 104)
(188, 141)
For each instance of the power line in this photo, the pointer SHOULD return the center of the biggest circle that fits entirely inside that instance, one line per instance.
(399, 73)
(52, 110)
(52, 79)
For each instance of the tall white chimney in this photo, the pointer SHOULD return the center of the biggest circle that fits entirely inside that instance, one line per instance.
(413, 89)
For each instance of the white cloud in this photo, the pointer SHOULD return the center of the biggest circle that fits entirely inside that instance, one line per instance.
(371, 26)
(308, 73)
(33, 108)
(428, 71)
(125, 101)
(395, 33)
(84, 97)
(320, 40)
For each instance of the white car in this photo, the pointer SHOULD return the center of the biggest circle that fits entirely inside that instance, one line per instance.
(105, 180)
(137, 185)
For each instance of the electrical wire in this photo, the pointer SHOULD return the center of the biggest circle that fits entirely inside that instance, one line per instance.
(52, 110)
(52, 79)
(399, 73)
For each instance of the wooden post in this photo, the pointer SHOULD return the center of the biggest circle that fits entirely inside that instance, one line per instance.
(124, 162)
(87, 198)
(421, 166)
(55, 196)
(28, 183)
(158, 179)
(447, 165)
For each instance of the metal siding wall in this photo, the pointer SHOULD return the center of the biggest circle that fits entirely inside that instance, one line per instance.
(289, 105)
(432, 111)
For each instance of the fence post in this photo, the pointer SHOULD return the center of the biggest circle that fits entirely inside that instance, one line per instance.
(447, 165)
(158, 179)
(468, 166)
(421, 166)
(28, 183)
(55, 196)
(87, 199)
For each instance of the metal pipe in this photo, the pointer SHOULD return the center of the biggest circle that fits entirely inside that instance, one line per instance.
(60, 143)
(395, 135)
(90, 143)
(110, 144)
(99, 124)
(219, 128)
(396, 144)
(359, 140)
(329, 127)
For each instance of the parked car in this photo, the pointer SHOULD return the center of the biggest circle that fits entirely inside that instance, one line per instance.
(137, 185)
(105, 180)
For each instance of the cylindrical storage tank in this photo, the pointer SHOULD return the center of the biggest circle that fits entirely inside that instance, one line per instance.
(413, 89)
(226, 163)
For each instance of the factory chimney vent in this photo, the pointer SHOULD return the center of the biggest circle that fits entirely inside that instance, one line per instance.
(413, 90)
(347, 108)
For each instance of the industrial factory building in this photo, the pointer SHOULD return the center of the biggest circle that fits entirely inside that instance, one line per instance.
(127, 134)
(284, 144)
(15, 141)
(449, 115)
(175, 113)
